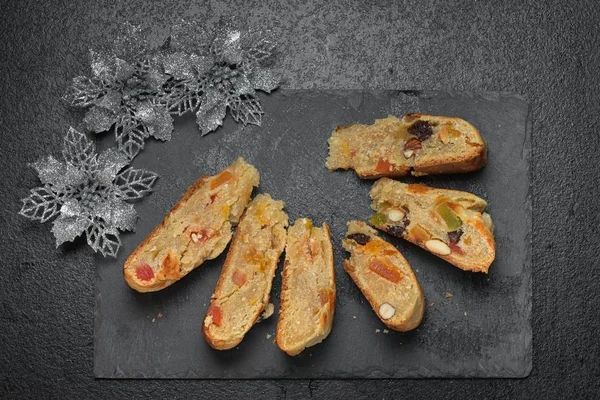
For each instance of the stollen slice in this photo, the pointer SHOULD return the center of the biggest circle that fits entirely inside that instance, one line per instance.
(198, 228)
(241, 297)
(384, 277)
(448, 223)
(417, 144)
(308, 290)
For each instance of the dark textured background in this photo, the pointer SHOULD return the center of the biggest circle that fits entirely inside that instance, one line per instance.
(546, 51)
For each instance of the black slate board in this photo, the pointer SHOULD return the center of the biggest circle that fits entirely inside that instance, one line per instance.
(482, 331)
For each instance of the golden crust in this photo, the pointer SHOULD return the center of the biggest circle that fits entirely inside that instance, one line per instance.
(166, 265)
(248, 272)
(377, 150)
(308, 290)
(476, 249)
(405, 295)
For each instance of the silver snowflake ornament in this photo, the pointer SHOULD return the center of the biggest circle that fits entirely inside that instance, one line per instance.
(88, 193)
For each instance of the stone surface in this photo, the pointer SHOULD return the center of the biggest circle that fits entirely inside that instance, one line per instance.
(546, 51)
(484, 330)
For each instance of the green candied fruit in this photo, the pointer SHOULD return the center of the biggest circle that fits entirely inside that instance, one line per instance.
(452, 220)
(378, 219)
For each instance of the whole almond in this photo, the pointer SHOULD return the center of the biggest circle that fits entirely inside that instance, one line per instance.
(438, 247)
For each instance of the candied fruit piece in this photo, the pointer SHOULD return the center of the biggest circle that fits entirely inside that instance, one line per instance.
(385, 271)
(378, 219)
(220, 179)
(144, 272)
(239, 278)
(420, 234)
(383, 167)
(452, 220)
(216, 314)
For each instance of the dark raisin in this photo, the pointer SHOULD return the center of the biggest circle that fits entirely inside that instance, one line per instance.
(405, 220)
(454, 236)
(396, 230)
(421, 129)
(359, 238)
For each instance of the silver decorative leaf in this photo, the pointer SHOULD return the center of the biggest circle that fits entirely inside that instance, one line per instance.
(227, 45)
(78, 150)
(50, 170)
(66, 229)
(117, 214)
(183, 96)
(264, 79)
(102, 65)
(105, 240)
(42, 204)
(72, 208)
(156, 119)
(209, 120)
(131, 136)
(243, 86)
(110, 162)
(211, 113)
(83, 92)
(123, 70)
(133, 184)
(99, 119)
(178, 65)
(245, 109)
(58, 174)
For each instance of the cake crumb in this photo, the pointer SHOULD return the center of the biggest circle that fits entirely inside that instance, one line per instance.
(386, 331)
(269, 336)
(448, 295)
(160, 315)
(377, 330)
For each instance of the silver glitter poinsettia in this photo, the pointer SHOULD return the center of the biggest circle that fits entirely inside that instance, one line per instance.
(137, 89)
(222, 75)
(88, 192)
(125, 91)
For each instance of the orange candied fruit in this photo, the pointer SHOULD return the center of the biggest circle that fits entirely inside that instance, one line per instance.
(216, 314)
(385, 271)
(323, 296)
(220, 179)
(417, 188)
(239, 278)
(378, 247)
(384, 167)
